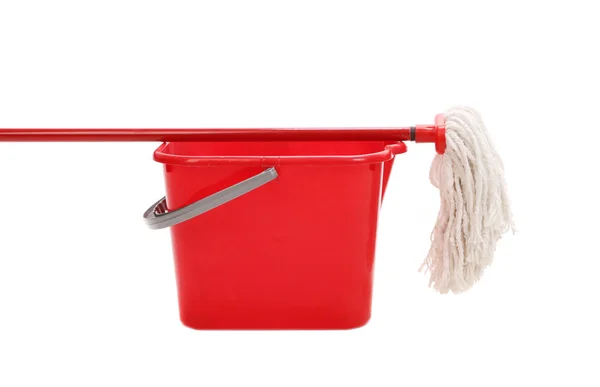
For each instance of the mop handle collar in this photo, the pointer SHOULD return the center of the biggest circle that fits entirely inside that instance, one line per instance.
(435, 133)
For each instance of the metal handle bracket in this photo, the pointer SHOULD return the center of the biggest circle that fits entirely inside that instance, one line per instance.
(158, 216)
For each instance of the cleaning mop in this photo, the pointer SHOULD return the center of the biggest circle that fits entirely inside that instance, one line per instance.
(475, 209)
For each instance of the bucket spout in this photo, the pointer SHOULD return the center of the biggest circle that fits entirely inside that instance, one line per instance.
(397, 148)
(387, 170)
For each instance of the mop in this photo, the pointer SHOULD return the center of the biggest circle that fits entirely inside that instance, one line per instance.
(474, 211)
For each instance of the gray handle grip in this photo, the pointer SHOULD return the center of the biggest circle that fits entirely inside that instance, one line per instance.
(158, 216)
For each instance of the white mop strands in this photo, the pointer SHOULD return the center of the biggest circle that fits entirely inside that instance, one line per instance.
(475, 209)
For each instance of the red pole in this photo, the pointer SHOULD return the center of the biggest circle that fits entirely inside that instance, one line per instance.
(420, 133)
(212, 134)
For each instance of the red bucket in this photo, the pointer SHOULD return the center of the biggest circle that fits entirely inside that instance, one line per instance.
(273, 235)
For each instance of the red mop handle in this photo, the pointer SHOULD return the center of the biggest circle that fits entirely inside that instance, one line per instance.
(208, 134)
(419, 133)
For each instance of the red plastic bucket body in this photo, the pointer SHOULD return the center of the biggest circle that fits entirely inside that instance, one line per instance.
(295, 253)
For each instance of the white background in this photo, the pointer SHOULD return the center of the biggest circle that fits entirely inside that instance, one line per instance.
(87, 293)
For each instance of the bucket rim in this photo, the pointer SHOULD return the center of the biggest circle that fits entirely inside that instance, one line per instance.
(162, 155)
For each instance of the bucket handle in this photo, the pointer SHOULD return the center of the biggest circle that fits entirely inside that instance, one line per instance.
(158, 216)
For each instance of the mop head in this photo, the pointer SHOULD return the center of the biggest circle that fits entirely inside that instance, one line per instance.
(475, 210)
